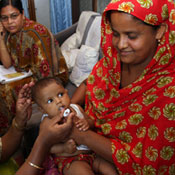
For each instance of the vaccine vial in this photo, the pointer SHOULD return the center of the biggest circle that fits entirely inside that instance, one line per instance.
(66, 112)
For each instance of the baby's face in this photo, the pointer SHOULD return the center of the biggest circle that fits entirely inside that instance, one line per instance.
(53, 99)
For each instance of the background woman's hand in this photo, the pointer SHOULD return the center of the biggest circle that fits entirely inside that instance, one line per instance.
(23, 105)
(5, 57)
(2, 32)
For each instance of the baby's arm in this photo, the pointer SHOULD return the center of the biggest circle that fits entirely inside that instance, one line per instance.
(67, 147)
(85, 123)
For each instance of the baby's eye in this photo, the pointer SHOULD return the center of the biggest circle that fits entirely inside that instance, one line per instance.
(50, 101)
(60, 94)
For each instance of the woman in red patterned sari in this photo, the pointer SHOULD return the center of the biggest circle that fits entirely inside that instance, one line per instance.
(29, 46)
(130, 93)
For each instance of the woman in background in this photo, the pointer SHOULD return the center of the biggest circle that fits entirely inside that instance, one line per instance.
(29, 46)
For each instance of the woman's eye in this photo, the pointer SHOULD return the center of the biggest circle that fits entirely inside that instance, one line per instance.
(60, 94)
(131, 36)
(14, 16)
(4, 18)
(49, 101)
(115, 34)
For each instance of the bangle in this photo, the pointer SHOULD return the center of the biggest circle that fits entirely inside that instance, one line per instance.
(15, 124)
(35, 166)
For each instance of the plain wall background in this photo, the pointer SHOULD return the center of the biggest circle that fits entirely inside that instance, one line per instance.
(43, 9)
(87, 5)
(43, 12)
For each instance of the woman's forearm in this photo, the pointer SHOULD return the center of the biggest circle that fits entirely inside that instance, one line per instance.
(4, 55)
(79, 94)
(12, 137)
(36, 157)
(50, 133)
(99, 144)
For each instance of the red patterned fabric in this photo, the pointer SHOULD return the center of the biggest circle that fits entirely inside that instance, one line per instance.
(139, 119)
(63, 161)
(35, 48)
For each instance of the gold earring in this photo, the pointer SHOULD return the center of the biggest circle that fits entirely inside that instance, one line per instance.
(159, 42)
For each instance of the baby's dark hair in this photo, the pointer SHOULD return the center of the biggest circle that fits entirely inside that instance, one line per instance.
(14, 3)
(43, 83)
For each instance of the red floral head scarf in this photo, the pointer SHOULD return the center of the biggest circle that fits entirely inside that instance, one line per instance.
(153, 12)
(138, 118)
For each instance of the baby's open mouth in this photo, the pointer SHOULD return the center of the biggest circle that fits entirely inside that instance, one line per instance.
(60, 108)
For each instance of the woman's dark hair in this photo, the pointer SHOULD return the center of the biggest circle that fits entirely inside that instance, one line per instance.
(108, 17)
(14, 3)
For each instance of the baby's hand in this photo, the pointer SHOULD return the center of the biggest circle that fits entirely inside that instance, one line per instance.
(70, 146)
(82, 125)
(67, 147)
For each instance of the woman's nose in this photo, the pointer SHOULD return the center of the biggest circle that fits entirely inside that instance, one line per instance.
(9, 20)
(121, 42)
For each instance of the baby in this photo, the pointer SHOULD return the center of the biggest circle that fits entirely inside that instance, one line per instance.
(53, 100)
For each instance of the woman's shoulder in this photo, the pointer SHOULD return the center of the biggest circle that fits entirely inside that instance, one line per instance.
(104, 64)
(33, 26)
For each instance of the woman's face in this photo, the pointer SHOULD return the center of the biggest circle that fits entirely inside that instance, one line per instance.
(11, 19)
(135, 42)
